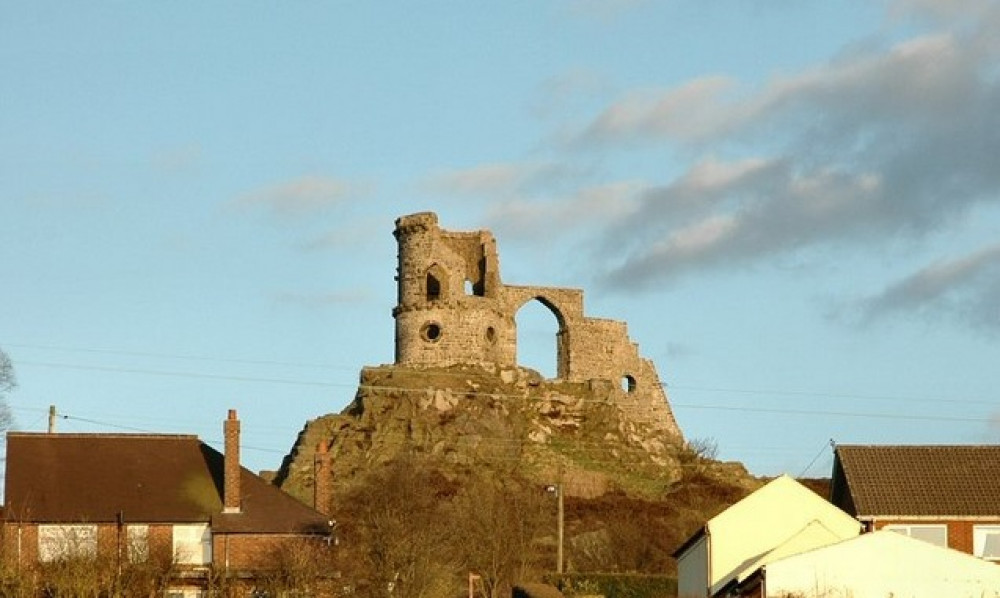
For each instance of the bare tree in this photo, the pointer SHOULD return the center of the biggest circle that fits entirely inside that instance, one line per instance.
(499, 522)
(396, 535)
(7, 383)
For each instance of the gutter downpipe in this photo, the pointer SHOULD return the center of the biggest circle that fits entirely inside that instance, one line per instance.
(708, 563)
(867, 524)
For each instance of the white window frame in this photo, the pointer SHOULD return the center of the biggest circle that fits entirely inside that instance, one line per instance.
(980, 533)
(58, 542)
(137, 543)
(908, 529)
(192, 544)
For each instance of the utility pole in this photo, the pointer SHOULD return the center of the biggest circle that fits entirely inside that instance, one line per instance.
(559, 556)
(558, 490)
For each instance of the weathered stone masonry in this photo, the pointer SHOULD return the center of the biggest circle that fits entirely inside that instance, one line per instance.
(453, 309)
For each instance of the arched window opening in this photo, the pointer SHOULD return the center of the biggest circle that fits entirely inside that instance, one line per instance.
(468, 287)
(628, 383)
(433, 287)
(537, 348)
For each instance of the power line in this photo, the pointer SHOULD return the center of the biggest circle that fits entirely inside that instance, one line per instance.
(350, 368)
(631, 404)
(206, 358)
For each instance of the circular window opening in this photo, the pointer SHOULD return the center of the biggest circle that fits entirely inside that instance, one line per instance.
(628, 383)
(491, 335)
(431, 332)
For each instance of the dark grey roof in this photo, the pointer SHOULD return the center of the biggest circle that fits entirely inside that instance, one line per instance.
(149, 478)
(917, 480)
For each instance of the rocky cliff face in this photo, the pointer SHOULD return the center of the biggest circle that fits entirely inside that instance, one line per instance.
(468, 418)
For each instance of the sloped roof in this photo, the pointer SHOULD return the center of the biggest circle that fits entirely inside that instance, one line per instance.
(770, 516)
(918, 480)
(146, 478)
(881, 563)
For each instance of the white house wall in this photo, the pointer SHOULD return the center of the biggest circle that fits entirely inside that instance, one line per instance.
(882, 564)
(746, 531)
(692, 570)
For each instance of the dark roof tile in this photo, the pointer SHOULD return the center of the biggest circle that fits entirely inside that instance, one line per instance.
(922, 480)
(148, 478)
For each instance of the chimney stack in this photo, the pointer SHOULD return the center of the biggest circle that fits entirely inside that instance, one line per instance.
(322, 480)
(231, 476)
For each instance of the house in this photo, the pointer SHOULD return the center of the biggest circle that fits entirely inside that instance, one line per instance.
(138, 498)
(781, 518)
(875, 565)
(946, 495)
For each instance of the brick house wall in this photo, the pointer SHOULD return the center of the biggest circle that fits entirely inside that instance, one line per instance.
(247, 552)
(20, 543)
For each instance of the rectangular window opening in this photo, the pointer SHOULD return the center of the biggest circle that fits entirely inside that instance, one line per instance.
(936, 534)
(986, 542)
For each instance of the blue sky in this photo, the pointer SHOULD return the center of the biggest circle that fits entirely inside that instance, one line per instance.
(794, 205)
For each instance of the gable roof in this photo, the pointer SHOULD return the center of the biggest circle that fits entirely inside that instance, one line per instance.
(917, 480)
(768, 518)
(881, 563)
(143, 478)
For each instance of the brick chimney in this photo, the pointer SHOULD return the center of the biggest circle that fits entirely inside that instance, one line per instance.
(322, 480)
(231, 476)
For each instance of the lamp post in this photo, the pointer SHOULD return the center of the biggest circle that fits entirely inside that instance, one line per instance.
(557, 489)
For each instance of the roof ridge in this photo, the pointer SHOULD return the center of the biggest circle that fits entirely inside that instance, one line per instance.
(130, 435)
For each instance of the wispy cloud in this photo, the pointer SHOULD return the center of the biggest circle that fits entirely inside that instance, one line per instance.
(857, 151)
(966, 288)
(178, 159)
(303, 196)
(563, 215)
(499, 180)
(688, 112)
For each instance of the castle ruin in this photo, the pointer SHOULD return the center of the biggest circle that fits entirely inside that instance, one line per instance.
(452, 309)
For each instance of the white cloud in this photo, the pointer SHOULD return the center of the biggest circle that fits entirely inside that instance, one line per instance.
(303, 196)
(558, 216)
(853, 153)
(498, 180)
(689, 112)
(966, 288)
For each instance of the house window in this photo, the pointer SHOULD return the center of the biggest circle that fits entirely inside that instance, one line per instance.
(935, 534)
(986, 542)
(137, 543)
(59, 542)
(192, 544)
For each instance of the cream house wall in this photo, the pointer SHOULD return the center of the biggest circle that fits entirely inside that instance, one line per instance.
(882, 564)
(742, 534)
(692, 570)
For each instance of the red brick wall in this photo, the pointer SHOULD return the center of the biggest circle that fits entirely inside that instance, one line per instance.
(244, 552)
(28, 543)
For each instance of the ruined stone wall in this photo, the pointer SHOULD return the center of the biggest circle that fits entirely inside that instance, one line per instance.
(453, 309)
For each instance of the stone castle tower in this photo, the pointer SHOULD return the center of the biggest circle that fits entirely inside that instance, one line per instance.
(453, 309)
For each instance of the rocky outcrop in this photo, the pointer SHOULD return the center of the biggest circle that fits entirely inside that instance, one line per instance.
(471, 417)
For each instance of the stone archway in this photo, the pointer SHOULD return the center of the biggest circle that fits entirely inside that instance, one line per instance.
(541, 331)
